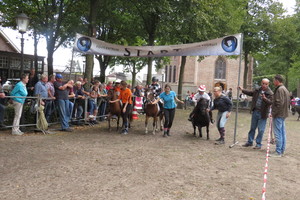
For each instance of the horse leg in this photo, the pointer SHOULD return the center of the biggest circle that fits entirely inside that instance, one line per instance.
(118, 120)
(154, 124)
(108, 119)
(146, 124)
(194, 130)
(161, 121)
(200, 131)
(207, 131)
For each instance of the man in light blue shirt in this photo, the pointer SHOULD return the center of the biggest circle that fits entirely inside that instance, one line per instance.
(40, 87)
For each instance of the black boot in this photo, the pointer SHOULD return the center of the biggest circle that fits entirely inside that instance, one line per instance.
(165, 134)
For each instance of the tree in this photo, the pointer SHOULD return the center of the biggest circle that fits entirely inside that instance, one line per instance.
(55, 20)
(150, 16)
(196, 21)
(259, 16)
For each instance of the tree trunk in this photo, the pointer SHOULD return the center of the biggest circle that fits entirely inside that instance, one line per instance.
(150, 60)
(35, 51)
(103, 63)
(133, 76)
(50, 61)
(149, 72)
(50, 49)
(245, 70)
(89, 67)
(181, 75)
(92, 33)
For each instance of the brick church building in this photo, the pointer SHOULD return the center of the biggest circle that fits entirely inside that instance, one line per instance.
(211, 71)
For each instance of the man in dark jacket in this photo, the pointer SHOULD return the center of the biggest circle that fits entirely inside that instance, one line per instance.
(261, 101)
(280, 110)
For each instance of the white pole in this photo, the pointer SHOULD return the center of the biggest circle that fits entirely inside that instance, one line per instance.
(237, 102)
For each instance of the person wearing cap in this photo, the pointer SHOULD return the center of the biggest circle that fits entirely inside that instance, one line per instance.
(156, 90)
(155, 87)
(201, 94)
(262, 98)
(62, 99)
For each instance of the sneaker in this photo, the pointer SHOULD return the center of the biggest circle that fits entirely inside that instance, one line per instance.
(124, 132)
(217, 140)
(17, 133)
(275, 155)
(220, 142)
(247, 145)
(257, 147)
(212, 121)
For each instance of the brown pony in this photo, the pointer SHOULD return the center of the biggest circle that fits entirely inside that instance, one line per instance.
(152, 110)
(114, 108)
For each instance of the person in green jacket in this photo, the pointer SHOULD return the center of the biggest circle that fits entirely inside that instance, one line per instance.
(19, 91)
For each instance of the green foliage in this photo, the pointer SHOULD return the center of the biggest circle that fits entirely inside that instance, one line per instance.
(10, 114)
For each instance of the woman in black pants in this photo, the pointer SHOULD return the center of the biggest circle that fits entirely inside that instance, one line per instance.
(168, 98)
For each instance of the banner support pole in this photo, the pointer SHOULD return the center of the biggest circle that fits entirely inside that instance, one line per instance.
(238, 94)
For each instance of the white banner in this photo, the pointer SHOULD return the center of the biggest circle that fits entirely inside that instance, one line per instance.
(228, 45)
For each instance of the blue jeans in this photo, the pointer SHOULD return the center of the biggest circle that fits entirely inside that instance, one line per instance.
(49, 109)
(102, 110)
(260, 124)
(71, 106)
(221, 119)
(280, 134)
(92, 106)
(64, 113)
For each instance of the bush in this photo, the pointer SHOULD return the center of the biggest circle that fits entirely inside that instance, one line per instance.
(10, 114)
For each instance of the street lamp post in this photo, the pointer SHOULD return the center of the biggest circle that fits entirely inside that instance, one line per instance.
(22, 23)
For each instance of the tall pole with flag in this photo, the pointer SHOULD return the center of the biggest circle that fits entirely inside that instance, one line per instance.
(238, 94)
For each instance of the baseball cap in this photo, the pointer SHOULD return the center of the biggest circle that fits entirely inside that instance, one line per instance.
(58, 76)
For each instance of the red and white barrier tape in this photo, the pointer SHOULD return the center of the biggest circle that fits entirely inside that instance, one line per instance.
(267, 160)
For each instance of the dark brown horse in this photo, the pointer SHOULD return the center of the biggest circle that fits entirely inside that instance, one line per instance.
(114, 108)
(152, 110)
(201, 117)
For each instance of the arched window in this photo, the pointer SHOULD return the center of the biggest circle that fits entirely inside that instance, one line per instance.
(220, 69)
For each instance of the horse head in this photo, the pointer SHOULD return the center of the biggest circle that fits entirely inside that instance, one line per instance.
(149, 96)
(111, 95)
(202, 105)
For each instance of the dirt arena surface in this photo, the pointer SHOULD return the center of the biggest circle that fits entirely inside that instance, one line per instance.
(91, 163)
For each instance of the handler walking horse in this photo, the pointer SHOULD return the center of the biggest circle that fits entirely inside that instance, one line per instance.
(152, 110)
(114, 108)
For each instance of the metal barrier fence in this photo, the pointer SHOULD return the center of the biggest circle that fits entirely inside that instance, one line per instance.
(34, 102)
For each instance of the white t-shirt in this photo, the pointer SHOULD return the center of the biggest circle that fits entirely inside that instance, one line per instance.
(198, 96)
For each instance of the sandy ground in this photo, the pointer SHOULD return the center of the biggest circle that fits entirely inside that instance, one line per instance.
(92, 163)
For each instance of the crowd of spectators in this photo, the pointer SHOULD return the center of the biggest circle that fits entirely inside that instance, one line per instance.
(66, 98)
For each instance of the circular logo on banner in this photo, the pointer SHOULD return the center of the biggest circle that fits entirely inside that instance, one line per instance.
(84, 44)
(229, 44)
